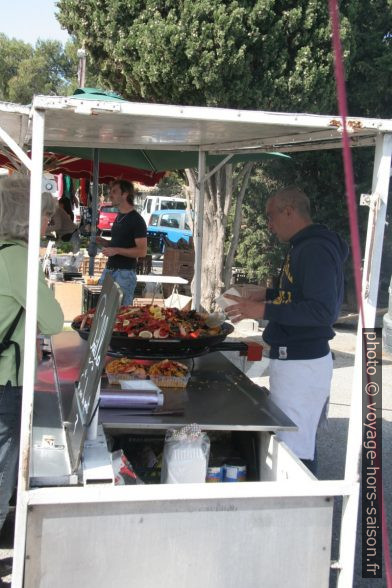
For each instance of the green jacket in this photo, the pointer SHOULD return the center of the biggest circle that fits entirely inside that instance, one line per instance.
(50, 318)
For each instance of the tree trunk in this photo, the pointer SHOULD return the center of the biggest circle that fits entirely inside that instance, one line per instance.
(217, 202)
(228, 267)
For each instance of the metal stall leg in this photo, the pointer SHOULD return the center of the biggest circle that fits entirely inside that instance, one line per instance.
(92, 249)
(199, 218)
(30, 335)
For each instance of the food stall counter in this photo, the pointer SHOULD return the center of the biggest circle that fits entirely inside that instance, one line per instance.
(218, 396)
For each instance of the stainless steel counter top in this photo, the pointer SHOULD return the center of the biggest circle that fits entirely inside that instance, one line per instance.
(218, 396)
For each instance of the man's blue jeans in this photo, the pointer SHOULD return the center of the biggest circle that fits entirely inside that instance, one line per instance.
(126, 279)
(10, 411)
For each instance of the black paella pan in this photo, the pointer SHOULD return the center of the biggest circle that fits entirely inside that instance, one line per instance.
(138, 347)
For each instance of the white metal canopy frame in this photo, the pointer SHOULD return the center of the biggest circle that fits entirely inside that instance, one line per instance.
(68, 122)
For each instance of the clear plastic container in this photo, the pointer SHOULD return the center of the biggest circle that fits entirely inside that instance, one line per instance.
(117, 378)
(171, 381)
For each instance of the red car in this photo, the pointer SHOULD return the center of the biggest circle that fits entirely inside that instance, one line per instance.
(107, 213)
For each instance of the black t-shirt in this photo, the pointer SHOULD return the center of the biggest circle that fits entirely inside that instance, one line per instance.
(126, 228)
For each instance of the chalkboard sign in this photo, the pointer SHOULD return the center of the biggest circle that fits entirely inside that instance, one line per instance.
(85, 395)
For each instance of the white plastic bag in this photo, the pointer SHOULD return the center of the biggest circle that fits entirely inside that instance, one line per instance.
(185, 456)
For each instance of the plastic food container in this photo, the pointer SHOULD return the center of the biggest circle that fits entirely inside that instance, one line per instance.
(171, 381)
(117, 378)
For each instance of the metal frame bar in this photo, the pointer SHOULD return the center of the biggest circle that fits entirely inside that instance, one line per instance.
(302, 147)
(120, 145)
(93, 237)
(198, 232)
(13, 145)
(182, 492)
(29, 342)
(332, 134)
(371, 271)
(202, 113)
(218, 166)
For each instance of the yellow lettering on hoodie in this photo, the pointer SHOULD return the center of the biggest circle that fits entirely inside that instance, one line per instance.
(286, 271)
(284, 297)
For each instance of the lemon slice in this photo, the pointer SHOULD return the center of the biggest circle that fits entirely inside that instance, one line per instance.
(145, 334)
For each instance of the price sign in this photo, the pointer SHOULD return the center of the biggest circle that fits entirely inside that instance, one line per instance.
(85, 395)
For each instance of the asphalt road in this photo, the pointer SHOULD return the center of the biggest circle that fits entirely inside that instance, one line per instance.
(331, 446)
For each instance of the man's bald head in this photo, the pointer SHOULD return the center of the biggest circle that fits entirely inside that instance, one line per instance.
(295, 198)
(288, 211)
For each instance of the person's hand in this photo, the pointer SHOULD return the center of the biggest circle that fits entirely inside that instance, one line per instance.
(101, 241)
(109, 251)
(244, 308)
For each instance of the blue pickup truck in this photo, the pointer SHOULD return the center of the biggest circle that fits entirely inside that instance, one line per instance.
(172, 224)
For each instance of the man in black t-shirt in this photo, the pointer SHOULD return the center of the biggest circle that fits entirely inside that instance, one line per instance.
(128, 240)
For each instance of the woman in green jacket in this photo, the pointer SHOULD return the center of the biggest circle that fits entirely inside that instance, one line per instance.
(14, 227)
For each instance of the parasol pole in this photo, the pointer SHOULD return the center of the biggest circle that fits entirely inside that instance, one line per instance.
(198, 230)
(92, 249)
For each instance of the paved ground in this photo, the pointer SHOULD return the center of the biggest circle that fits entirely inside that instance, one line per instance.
(331, 443)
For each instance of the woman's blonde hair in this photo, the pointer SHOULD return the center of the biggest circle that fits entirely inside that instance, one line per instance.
(14, 206)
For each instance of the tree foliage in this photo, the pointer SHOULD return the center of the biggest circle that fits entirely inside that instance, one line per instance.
(12, 52)
(259, 253)
(269, 54)
(246, 54)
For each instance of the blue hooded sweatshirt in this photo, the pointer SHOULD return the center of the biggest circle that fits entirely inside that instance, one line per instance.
(303, 309)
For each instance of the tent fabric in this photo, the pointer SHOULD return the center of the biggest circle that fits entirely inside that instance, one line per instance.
(75, 167)
(160, 161)
(96, 94)
(83, 168)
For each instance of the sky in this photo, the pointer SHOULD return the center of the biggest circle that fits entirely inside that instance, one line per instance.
(30, 20)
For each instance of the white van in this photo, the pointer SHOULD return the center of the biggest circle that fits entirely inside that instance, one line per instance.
(156, 202)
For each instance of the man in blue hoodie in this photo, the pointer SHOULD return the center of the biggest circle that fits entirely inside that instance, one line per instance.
(301, 312)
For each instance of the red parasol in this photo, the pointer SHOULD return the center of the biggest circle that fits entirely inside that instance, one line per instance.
(76, 167)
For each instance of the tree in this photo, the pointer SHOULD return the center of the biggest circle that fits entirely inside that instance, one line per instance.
(259, 253)
(49, 68)
(25, 70)
(172, 184)
(12, 52)
(266, 54)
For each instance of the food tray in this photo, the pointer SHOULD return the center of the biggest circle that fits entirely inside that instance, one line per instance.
(123, 376)
(171, 381)
(116, 378)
